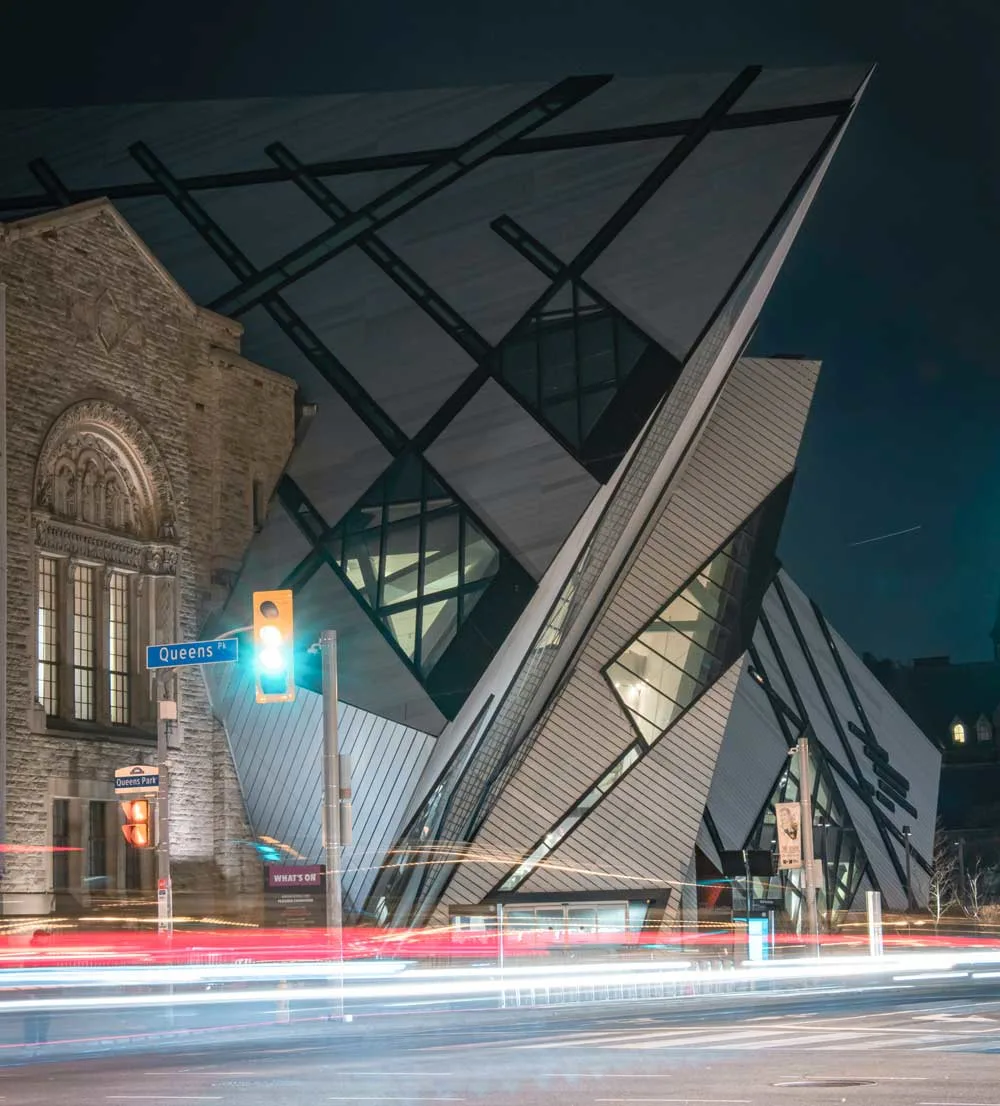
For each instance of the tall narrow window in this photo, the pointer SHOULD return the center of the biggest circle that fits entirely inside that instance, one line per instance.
(118, 630)
(258, 505)
(83, 642)
(48, 636)
(958, 733)
(97, 840)
(60, 845)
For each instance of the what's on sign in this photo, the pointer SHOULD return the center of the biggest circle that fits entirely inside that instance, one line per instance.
(134, 778)
(217, 651)
(281, 876)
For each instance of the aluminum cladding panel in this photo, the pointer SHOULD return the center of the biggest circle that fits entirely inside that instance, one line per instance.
(746, 449)
(278, 753)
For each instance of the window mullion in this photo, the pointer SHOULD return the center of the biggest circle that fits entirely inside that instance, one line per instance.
(102, 665)
(64, 600)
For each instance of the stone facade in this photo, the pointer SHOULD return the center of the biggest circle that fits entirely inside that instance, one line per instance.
(142, 447)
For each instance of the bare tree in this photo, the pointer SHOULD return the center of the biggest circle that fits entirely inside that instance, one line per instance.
(975, 888)
(944, 870)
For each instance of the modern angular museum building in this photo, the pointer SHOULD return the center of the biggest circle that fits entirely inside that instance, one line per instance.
(536, 484)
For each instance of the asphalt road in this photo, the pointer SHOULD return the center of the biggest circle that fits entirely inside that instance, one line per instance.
(937, 1045)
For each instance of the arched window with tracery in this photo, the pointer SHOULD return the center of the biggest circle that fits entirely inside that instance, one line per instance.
(104, 528)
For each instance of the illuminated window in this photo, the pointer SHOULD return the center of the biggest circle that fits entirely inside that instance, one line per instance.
(48, 635)
(683, 650)
(118, 631)
(83, 642)
(958, 733)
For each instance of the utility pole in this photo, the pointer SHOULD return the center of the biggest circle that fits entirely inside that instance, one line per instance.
(808, 859)
(909, 883)
(331, 799)
(165, 710)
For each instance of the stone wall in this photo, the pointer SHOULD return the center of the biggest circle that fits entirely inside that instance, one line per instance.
(91, 316)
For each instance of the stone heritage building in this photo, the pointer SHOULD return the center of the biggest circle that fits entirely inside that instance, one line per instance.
(141, 450)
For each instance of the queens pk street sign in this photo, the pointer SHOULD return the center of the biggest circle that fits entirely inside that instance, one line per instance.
(217, 651)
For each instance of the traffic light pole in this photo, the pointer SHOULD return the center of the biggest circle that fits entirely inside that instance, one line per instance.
(164, 888)
(331, 798)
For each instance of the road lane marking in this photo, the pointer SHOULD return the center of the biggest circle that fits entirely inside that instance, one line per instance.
(719, 1039)
(383, 1074)
(792, 1041)
(163, 1098)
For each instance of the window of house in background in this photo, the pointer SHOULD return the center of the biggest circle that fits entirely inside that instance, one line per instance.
(984, 731)
(60, 845)
(48, 635)
(958, 733)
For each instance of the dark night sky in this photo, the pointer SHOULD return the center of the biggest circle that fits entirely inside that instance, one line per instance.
(892, 283)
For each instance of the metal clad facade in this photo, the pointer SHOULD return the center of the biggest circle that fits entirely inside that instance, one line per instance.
(643, 833)
(278, 748)
(746, 449)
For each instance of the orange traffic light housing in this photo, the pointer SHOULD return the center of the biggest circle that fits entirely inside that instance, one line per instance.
(273, 646)
(136, 829)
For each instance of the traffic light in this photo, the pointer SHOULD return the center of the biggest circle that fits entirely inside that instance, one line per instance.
(273, 642)
(136, 828)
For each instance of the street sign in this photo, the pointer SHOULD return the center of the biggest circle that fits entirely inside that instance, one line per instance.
(218, 651)
(137, 779)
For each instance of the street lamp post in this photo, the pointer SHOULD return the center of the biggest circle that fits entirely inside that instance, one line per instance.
(909, 883)
(331, 801)
(808, 859)
(165, 710)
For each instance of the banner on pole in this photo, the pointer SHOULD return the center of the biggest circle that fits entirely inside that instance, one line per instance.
(789, 819)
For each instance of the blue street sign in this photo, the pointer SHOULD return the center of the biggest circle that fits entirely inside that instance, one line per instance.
(192, 652)
(137, 778)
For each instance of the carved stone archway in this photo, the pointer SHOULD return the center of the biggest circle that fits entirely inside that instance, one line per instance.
(102, 491)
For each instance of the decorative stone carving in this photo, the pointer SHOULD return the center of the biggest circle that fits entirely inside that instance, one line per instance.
(100, 317)
(114, 550)
(99, 467)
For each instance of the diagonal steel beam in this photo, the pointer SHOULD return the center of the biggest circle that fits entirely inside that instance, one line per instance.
(408, 194)
(598, 242)
(415, 159)
(50, 181)
(289, 321)
(399, 272)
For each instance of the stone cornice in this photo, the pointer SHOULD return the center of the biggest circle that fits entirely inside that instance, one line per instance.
(69, 540)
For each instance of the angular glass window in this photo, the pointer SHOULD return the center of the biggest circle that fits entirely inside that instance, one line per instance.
(835, 842)
(414, 556)
(569, 361)
(699, 632)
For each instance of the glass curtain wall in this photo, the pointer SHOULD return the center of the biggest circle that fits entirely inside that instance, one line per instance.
(834, 840)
